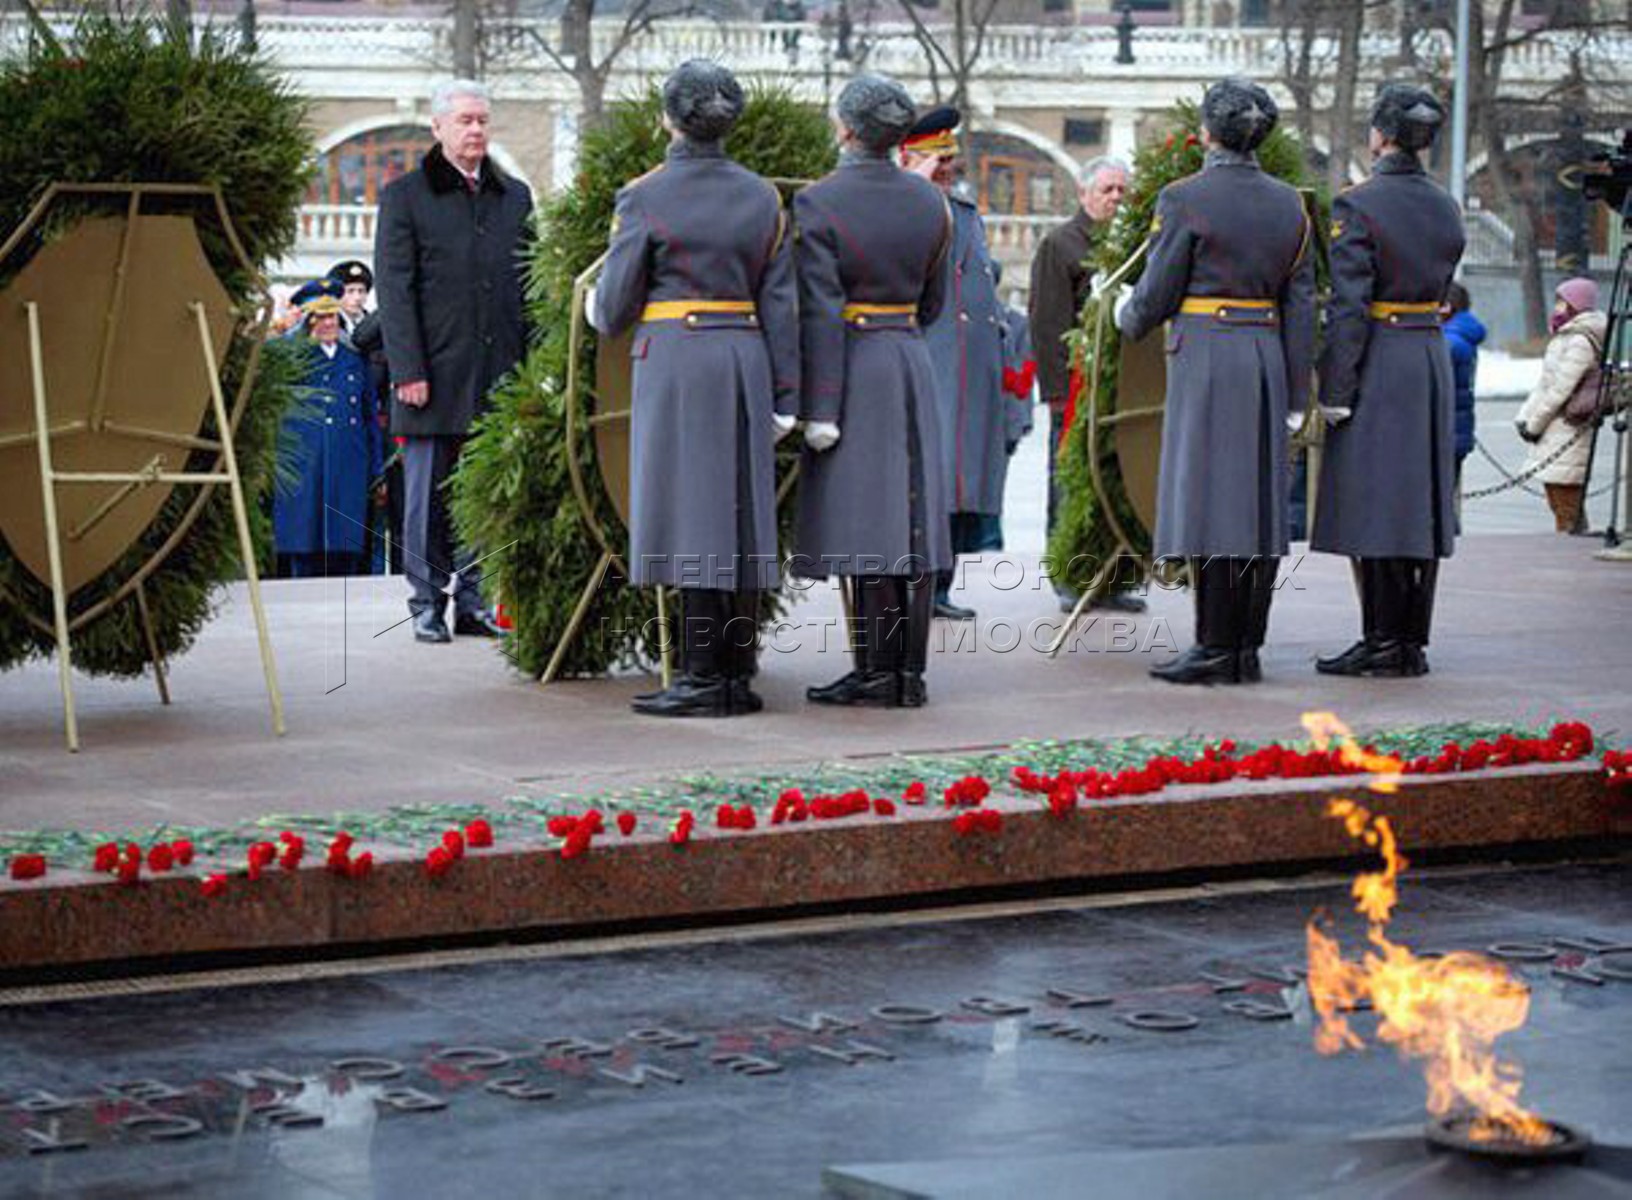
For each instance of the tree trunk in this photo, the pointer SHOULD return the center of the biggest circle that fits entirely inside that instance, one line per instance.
(466, 23)
(1352, 17)
(1298, 31)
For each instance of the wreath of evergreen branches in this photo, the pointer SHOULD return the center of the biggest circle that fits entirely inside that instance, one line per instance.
(1082, 539)
(512, 494)
(138, 100)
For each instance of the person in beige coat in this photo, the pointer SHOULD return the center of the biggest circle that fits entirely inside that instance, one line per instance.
(1572, 357)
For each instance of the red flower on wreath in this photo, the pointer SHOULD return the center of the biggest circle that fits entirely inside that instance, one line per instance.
(27, 866)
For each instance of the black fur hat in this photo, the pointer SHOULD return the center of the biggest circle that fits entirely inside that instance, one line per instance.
(877, 110)
(1407, 115)
(1239, 114)
(702, 100)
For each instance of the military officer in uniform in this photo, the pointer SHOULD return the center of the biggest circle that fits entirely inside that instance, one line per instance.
(320, 525)
(701, 268)
(873, 243)
(1230, 266)
(966, 347)
(1388, 481)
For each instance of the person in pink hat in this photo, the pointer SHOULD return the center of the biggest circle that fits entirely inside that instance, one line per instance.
(1570, 367)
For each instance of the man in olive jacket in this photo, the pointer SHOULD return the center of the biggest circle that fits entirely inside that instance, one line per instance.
(449, 263)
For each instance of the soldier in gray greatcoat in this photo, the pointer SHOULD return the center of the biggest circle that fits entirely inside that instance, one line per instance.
(966, 347)
(701, 267)
(1230, 266)
(872, 502)
(1389, 477)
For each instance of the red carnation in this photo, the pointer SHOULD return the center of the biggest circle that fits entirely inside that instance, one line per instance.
(342, 843)
(561, 826)
(479, 834)
(362, 865)
(130, 870)
(183, 851)
(293, 852)
(133, 852)
(725, 817)
(681, 833)
(262, 854)
(454, 842)
(28, 866)
(438, 861)
(160, 858)
(214, 885)
(626, 823)
(883, 807)
(107, 857)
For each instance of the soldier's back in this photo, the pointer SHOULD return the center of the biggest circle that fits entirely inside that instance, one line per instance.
(889, 228)
(713, 224)
(1250, 228)
(1415, 230)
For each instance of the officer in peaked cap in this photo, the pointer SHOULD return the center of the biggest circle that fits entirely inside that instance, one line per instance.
(314, 289)
(1388, 480)
(356, 281)
(966, 347)
(1231, 267)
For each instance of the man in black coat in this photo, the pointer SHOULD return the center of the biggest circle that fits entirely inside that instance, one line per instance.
(448, 259)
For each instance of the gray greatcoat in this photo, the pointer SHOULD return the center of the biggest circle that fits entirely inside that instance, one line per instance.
(449, 266)
(876, 503)
(1228, 231)
(966, 347)
(702, 443)
(1388, 479)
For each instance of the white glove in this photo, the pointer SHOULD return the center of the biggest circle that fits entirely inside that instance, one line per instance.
(821, 435)
(1096, 285)
(592, 312)
(783, 424)
(1335, 415)
(1124, 294)
(1294, 422)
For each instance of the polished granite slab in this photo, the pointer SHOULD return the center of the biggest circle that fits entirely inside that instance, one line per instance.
(746, 1066)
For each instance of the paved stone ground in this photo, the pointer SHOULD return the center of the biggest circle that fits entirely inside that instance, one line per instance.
(1529, 628)
(756, 1100)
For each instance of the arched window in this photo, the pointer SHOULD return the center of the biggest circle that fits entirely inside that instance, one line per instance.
(1011, 177)
(355, 171)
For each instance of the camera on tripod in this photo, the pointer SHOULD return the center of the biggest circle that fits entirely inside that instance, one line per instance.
(1611, 184)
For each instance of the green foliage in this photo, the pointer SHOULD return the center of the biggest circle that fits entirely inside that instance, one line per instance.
(1082, 540)
(129, 101)
(513, 496)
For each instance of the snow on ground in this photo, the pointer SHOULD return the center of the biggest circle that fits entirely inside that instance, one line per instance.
(1501, 374)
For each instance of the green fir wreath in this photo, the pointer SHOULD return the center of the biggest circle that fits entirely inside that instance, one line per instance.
(1083, 539)
(513, 496)
(136, 100)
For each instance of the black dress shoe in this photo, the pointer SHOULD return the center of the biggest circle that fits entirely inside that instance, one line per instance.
(877, 689)
(914, 692)
(430, 627)
(478, 625)
(1201, 664)
(1248, 666)
(689, 697)
(1376, 660)
(953, 612)
(1125, 602)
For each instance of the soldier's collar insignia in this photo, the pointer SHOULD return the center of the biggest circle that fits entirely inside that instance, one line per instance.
(1156, 224)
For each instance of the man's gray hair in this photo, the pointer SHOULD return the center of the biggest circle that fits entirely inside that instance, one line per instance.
(443, 97)
(1105, 162)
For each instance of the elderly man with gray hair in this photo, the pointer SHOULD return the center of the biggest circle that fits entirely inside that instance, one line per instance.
(449, 265)
(1060, 282)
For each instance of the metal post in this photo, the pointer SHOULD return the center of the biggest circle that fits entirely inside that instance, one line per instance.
(240, 512)
(1459, 106)
(48, 493)
(1124, 35)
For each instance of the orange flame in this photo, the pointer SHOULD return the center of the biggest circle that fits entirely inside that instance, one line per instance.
(1447, 1011)
(1324, 728)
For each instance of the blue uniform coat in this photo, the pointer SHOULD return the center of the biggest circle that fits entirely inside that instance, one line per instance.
(335, 445)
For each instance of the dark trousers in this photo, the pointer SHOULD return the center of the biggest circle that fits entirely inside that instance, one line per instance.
(1397, 599)
(429, 554)
(892, 621)
(720, 634)
(1233, 596)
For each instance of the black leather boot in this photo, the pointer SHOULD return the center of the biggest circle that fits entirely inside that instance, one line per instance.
(917, 599)
(876, 681)
(1215, 658)
(742, 651)
(1369, 581)
(703, 690)
(1257, 594)
(1420, 617)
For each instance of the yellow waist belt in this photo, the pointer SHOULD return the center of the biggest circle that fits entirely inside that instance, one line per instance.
(857, 314)
(1217, 306)
(681, 310)
(1384, 310)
